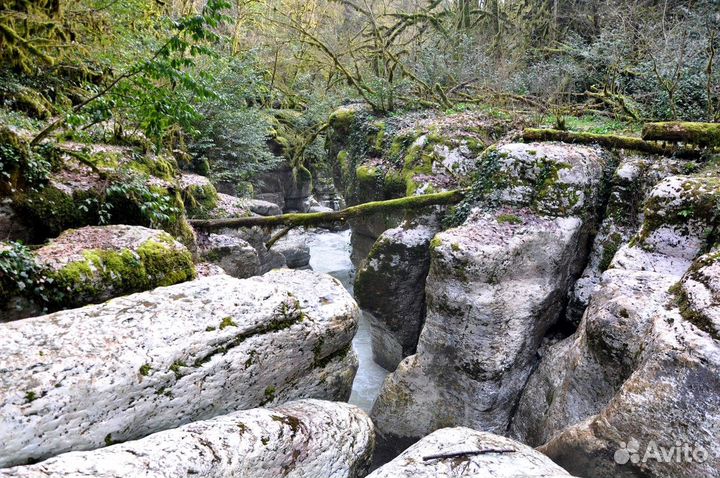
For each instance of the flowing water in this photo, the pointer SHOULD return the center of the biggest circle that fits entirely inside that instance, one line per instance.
(330, 253)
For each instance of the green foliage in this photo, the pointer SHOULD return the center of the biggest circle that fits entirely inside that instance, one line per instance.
(32, 31)
(19, 165)
(18, 270)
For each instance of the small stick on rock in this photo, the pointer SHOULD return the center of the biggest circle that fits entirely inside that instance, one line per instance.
(468, 453)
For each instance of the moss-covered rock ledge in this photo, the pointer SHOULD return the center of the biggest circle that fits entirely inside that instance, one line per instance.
(89, 265)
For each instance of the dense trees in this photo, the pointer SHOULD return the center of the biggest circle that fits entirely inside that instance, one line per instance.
(214, 76)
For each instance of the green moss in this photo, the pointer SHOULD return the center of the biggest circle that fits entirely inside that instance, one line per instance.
(227, 322)
(367, 175)
(200, 199)
(269, 395)
(108, 440)
(701, 134)
(610, 248)
(105, 273)
(509, 219)
(166, 265)
(395, 184)
(30, 396)
(176, 368)
(379, 142)
(435, 242)
(342, 119)
(145, 369)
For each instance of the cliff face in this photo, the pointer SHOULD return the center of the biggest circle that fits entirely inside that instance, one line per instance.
(572, 307)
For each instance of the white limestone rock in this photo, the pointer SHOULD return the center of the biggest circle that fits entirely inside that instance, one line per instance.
(234, 255)
(550, 178)
(495, 287)
(510, 459)
(630, 185)
(644, 366)
(135, 365)
(302, 439)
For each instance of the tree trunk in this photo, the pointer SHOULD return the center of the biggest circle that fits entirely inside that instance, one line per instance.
(319, 218)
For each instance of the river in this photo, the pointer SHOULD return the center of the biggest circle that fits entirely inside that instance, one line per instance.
(330, 254)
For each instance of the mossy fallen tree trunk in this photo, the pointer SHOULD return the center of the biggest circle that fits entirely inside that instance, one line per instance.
(701, 134)
(608, 141)
(319, 218)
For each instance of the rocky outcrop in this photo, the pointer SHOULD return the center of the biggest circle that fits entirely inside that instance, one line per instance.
(289, 191)
(234, 255)
(638, 381)
(629, 186)
(78, 379)
(95, 263)
(91, 184)
(462, 452)
(495, 287)
(401, 156)
(307, 438)
(295, 250)
(390, 285)
(479, 342)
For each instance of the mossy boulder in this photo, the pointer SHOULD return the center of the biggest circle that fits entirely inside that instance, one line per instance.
(95, 263)
(390, 285)
(103, 184)
(199, 195)
(683, 199)
(698, 294)
(556, 179)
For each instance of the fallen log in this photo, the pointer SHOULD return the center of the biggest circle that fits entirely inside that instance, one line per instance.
(702, 134)
(319, 218)
(608, 140)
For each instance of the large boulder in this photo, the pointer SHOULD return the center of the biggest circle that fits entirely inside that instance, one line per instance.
(199, 195)
(234, 255)
(303, 439)
(295, 249)
(390, 285)
(78, 379)
(462, 452)
(496, 285)
(479, 342)
(634, 392)
(95, 263)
